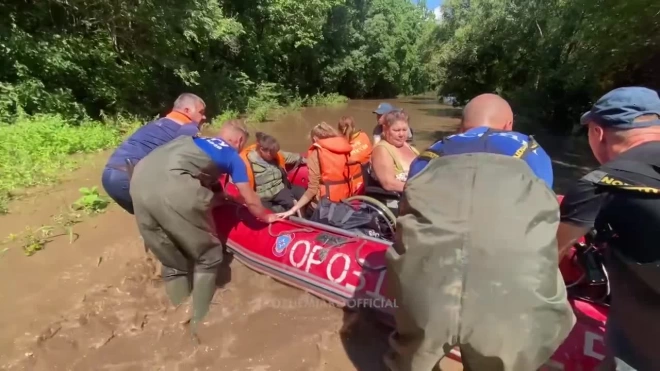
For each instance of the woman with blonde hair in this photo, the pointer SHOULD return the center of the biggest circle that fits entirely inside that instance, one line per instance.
(392, 156)
(359, 140)
(330, 174)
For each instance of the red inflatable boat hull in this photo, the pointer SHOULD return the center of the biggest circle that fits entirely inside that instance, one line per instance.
(349, 271)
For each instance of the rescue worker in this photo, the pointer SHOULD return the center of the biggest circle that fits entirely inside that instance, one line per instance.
(185, 119)
(382, 110)
(359, 141)
(330, 175)
(173, 200)
(486, 126)
(473, 264)
(621, 200)
(266, 169)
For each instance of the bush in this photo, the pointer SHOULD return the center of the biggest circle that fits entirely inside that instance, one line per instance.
(36, 150)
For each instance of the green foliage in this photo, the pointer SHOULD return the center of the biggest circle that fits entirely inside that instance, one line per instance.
(33, 240)
(551, 59)
(35, 150)
(91, 201)
(80, 58)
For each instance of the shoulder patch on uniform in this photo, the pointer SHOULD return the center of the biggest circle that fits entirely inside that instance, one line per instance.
(594, 176)
(602, 178)
(428, 154)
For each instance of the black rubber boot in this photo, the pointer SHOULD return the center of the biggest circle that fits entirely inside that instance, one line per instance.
(202, 294)
(177, 289)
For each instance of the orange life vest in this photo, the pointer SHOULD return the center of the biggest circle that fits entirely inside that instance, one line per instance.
(248, 164)
(338, 179)
(362, 148)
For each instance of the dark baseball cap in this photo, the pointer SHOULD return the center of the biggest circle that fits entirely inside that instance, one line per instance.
(619, 108)
(384, 109)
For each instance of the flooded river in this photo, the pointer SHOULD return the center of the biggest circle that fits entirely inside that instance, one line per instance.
(96, 304)
(428, 118)
(430, 121)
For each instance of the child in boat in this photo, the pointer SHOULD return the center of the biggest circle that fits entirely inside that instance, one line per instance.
(265, 165)
(359, 140)
(330, 174)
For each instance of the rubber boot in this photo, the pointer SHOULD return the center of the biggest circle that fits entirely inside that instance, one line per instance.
(202, 294)
(177, 289)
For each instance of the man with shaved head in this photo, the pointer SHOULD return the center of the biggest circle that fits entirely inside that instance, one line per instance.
(486, 127)
(185, 118)
(488, 110)
(474, 263)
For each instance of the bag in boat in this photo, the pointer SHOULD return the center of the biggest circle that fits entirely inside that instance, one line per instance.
(474, 265)
(346, 216)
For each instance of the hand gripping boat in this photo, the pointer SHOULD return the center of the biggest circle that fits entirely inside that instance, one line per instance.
(348, 269)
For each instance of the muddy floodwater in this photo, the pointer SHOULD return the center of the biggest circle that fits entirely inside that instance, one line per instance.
(97, 303)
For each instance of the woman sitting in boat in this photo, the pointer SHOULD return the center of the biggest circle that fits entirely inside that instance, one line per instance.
(392, 155)
(330, 175)
(266, 164)
(359, 141)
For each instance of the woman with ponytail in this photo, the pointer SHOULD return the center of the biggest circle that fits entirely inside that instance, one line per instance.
(359, 140)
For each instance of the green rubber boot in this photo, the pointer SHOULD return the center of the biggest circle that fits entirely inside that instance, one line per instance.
(202, 294)
(178, 289)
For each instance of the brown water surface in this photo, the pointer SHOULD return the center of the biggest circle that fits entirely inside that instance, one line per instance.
(97, 303)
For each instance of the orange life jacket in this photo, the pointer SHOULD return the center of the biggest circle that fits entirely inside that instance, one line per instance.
(338, 179)
(362, 148)
(248, 164)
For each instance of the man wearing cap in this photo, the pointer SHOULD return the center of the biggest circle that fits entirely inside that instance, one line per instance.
(382, 110)
(621, 201)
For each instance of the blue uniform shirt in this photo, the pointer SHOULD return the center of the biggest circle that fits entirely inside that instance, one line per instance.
(149, 137)
(224, 157)
(500, 142)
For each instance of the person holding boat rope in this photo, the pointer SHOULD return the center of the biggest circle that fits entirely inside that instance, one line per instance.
(173, 196)
(185, 119)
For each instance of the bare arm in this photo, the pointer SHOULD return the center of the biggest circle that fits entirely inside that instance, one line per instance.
(383, 168)
(567, 236)
(252, 201)
(313, 185)
(579, 210)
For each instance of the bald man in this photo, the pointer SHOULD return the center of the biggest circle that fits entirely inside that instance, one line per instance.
(173, 195)
(486, 127)
(474, 264)
(185, 120)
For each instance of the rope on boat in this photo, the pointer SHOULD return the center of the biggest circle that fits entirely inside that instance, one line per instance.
(298, 230)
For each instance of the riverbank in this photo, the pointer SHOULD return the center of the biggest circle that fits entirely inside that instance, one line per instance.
(38, 150)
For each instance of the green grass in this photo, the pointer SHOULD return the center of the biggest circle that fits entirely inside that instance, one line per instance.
(37, 150)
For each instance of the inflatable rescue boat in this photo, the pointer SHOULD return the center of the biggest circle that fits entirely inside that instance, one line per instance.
(348, 269)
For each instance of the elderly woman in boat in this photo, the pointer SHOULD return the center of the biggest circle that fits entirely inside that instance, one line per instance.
(266, 170)
(331, 175)
(392, 155)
